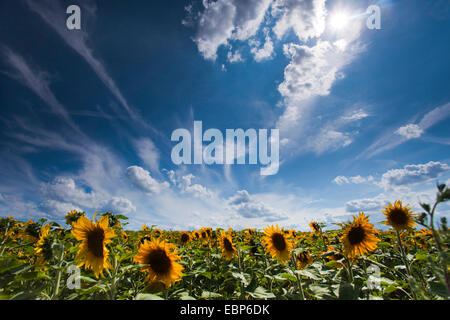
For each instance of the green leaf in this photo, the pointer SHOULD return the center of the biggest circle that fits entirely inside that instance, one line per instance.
(9, 263)
(147, 296)
(208, 294)
(261, 293)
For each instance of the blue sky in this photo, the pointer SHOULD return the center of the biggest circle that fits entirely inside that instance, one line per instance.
(87, 115)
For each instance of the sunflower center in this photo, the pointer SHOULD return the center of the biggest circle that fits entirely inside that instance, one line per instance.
(356, 235)
(227, 245)
(184, 237)
(159, 261)
(398, 217)
(203, 235)
(278, 241)
(95, 242)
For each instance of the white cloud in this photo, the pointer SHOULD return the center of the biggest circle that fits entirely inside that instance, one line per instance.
(225, 20)
(410, 131)
(148, 153)
(57, 208)
(328, 140)
(119, 205)
(195, 189)
(234, 57)
(55, 15)
(141, 178)
(262, 53)
(413, 173)
(365, 205)
(306, 18)
(64, 189)
(356, 115)
(244, 205)
(340, 180)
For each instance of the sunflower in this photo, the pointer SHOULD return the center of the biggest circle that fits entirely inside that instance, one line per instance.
(185, 237)
(94, 236)
(277, 244)
(43, 247)
(31, 231)
(160, 261)
(156, 233)
(204, 234)
(303, 259)
(359, 237)
(249, 234)
(315, 227)
(226, 243)
(398, 216)
(196, 235)
(72, 216)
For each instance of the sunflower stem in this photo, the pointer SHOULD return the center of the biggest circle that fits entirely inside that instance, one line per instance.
(439, 247)
(405, 261)
(58, 273)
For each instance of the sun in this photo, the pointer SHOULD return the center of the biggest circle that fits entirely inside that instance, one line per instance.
(339, 20)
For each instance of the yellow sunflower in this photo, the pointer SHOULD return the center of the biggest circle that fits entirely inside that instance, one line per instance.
(94, 236)
(226, 243)
(73, 216)
(160, 260)
(277, 244)
(398, 216)
(43, 247)
(315, 227)
(303, 259)
(359, 237)
(196, 235)
(185, 237)
(204, 234)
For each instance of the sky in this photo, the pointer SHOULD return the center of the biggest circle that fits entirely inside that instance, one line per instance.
(87, 115)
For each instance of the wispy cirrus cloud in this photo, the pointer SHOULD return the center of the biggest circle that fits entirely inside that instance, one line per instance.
(54, 15)
(409, 131)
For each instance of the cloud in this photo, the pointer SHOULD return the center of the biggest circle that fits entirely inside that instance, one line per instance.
(265, 52)
(306, 18)
(225, 20)
(119, 205)
(356, 115)
(37, 81)
(57, 208)
(141, 178)
(365, 205)
(234, 57)
(148, 153)
(245, 206)
(64, 189)
(340, 180)
(328, 140)
(410, 131)
(196, 190)
(53, 14)
(395, 138)
(412, 174)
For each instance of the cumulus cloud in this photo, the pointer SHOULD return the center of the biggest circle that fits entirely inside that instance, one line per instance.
(306, 18)
(142, 179)
(410, 131)
(413, 173)
(119, 205)
(225, 20)
(197, 190)
(57, 208)
(366, 205)
(340, 180)
(245, 206)
(65, 189)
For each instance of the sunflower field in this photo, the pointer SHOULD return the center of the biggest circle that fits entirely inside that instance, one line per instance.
(98, 258)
